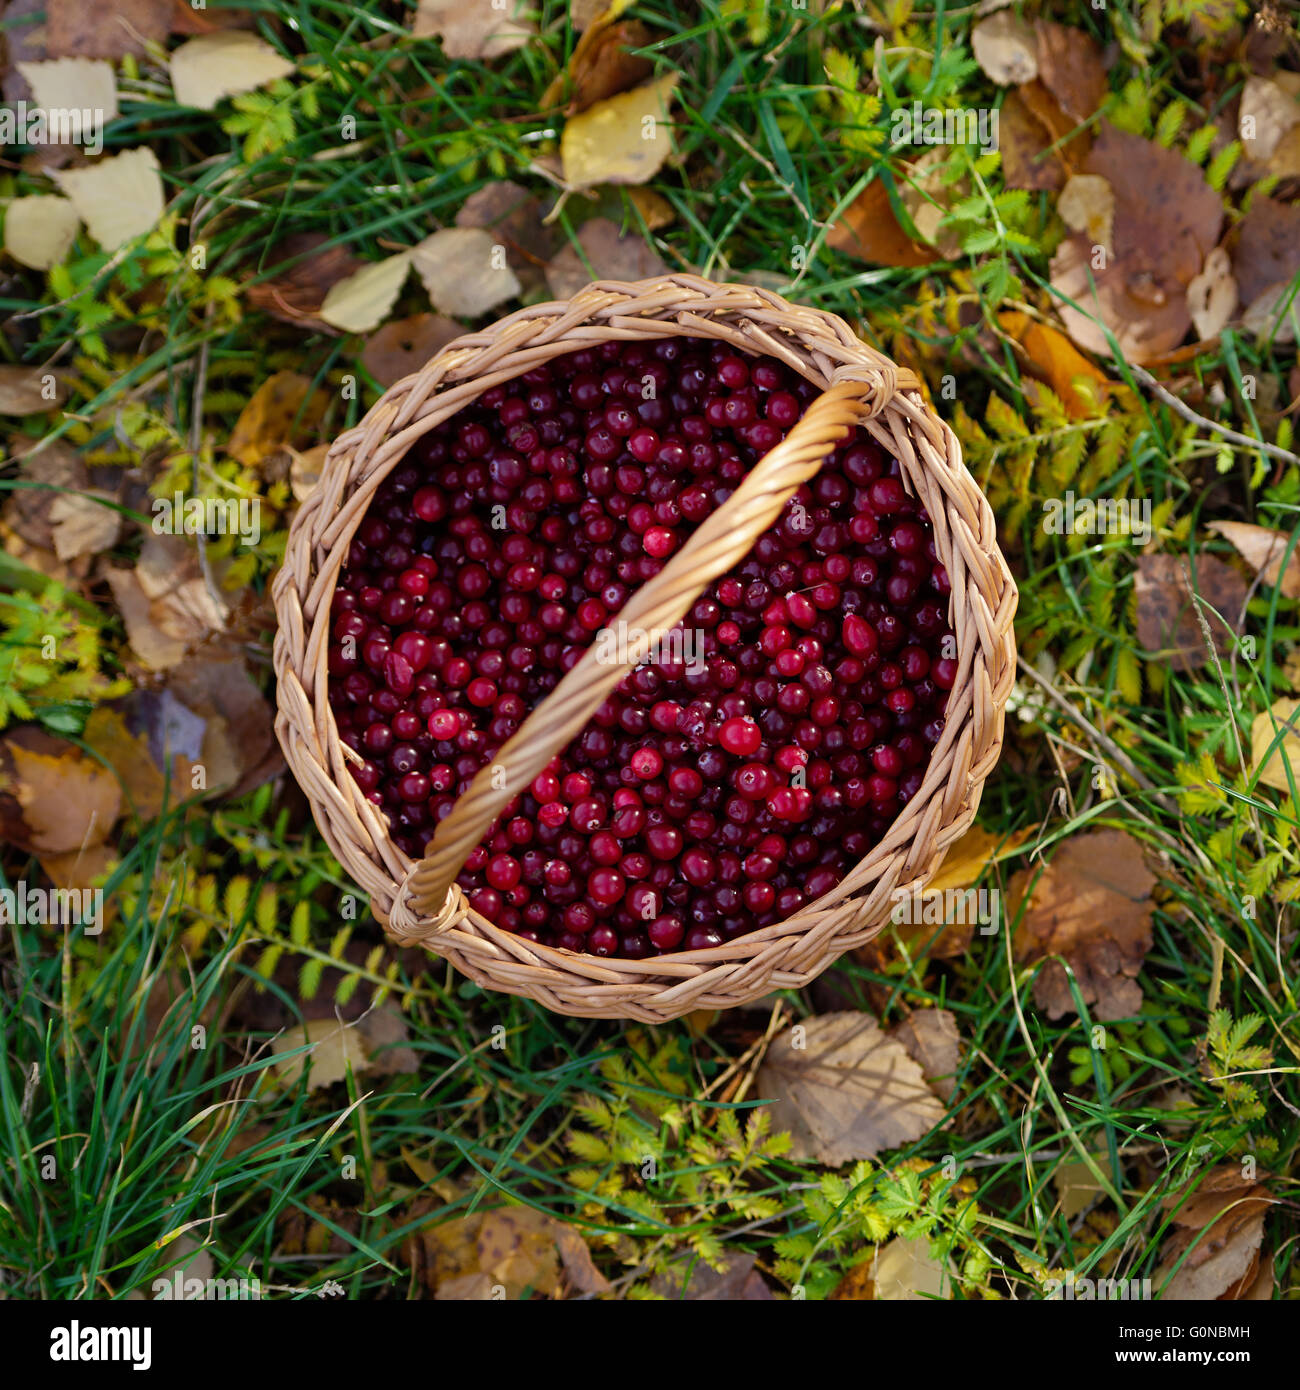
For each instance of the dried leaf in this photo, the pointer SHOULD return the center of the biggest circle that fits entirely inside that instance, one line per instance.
(905, 1271)
(402, 347)
(1212, 295)
(612, 256)
(283, 410)
(129, 757)
(219, 690)
(1006, 48)
(73, 84)
(165, 602)
(1070, 66)
(464, 271)
(74, 29)
(296, 295)
(334, 1049)
(118, 197)
(1215, 1244)
(934, 1044)
(304, 470)
(1057, 360)
(1092, 905)
(656, 211)
(1024, 141)
(83, 523)
(385, 1034)
(693, 1281)
(1267, 112)
(870, 231)
(1166, 221)
(68, 802)
(30, 390)
(364, 300)
(39, 231)
(1077, 1187)
(212, 67)
(578, 1264)
(847, 1092)
(1263, 550)
(606, 67)
(624, 139)
(472, 30)
(1272, 314)
(1087, 204)
(927, 195)
(1271, 768)
(1167, 617)
(1267, 247)
(515, 219)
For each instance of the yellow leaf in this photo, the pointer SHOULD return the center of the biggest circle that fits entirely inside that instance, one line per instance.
(624, 139)
(266, 424)
(1263, 731)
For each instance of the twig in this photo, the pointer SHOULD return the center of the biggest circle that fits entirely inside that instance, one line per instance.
(1182, 408)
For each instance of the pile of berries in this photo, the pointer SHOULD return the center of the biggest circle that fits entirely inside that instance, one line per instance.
(726, 783)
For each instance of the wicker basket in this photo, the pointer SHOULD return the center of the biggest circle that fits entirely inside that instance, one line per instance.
(421, 902)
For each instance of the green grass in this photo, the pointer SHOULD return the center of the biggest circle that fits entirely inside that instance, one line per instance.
(150, 1135)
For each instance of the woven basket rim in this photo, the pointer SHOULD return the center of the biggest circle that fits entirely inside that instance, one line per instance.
(822, 348)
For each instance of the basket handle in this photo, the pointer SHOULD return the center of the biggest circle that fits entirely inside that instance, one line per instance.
(721, 541)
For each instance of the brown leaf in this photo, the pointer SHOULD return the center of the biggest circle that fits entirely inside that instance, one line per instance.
(127, 754)
(870, 231)
(1091, 905)
(283, 410)
(1046, 110)
(934, 1044)
(516, 1248)
(217, 688)
(1087, 205)
(1167, 220)
(296, 294)
(472, 30)
(80, 869)
(28, 511)
(847, 1092)
(1005, 48)
(654, 208)
(606, 66)
(77, 30)
(578, 1264)
(1271, 767)
(1267, 247)
(1023, 141)
(187, 20)
(1070, 67)
(514, 217)
(335, 1049)
(1057, 361)
(30, 390)
(697, 1282)
(612, 257)
(904, 1271)
(1263, 550)
(304, 469)
(24, 38)
(1218, 1229)
(68, 801)
(402, 347)
(1212, 295)
(165, 602)
(385, 1034)
(1167, 616)
(84, 523)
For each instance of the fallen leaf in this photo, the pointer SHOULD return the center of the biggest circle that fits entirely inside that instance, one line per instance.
(282, 411)
(296, 294)
(165, 602)
(905, 1271)
(1264, 550)
(607, 66)
(334, 1049)
(1266, 113)
(83, 868)
(1267, 247)
(118, 197)
(1168, 626)
(584, 13)
(516, 1248)
(847, 1092)
(1071, 67)
(612, 256)
(304, 470)
(857, 1286)
(1006, 48)
(1092, 905)
(624, 139)
(1058, 361)
(84, 523)
(515, 219)
(24, 41)
(218, 689)
(1166, 222)
(364, 300)
(934, 1044)
(26, 522)
(1087, 204)
(30, 390)
(656, 211)
(39, 231)
(869, 230)
(1024, 143)
(1077, 1187)
(68, 802)
(576, 1258)
(401, 347)
(208, 69)
(74, 29)
(464, 271)
(472, 30)
(693, 1281)
(1272, 314)
(1215, 1244)
(1212, 295)
(73, 84)
(1271, 767)
(469, 1288)
(927, 194)
(1047, 111)
(386, 1037)
(127, 755)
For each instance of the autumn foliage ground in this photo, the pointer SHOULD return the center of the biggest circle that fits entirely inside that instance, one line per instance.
(295, 206)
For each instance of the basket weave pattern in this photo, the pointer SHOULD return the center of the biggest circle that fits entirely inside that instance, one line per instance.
(420, 902)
